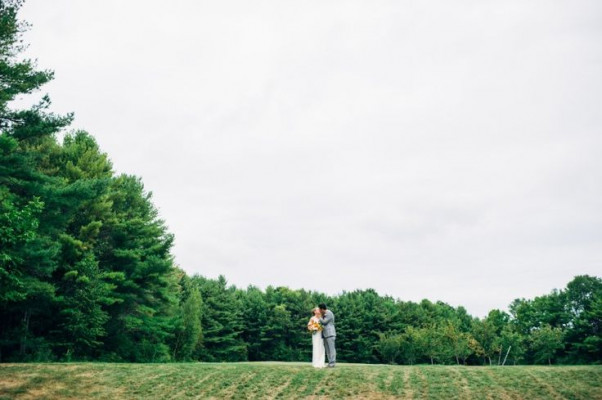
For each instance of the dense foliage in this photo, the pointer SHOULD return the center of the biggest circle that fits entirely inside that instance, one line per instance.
(86, 273)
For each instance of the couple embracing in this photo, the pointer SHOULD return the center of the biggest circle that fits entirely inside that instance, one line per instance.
(321, 325)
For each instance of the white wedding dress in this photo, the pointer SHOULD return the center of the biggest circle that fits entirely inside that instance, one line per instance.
(318, 353)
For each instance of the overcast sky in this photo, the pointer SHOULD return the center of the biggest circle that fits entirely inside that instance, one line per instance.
(449, 150)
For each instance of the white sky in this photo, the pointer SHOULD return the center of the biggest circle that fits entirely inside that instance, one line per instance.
(427, 149)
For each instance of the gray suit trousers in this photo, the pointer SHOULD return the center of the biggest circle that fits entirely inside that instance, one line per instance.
(331, 352)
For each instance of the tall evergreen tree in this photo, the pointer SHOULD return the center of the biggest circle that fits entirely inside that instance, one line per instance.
(188, 333)
(222, 321)
(135, 243)
(27, 187)
(255, 316)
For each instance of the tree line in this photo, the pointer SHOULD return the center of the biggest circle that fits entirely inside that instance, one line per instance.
(86, 273)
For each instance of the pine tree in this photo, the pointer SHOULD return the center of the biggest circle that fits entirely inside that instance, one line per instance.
(222, 321)
(135, 243)
(27, 188)
(255, 315)
(188, 334)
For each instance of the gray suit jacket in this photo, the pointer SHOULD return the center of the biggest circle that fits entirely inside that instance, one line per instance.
(328, 324)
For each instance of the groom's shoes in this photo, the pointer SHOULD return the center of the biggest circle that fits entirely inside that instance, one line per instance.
(330, 365)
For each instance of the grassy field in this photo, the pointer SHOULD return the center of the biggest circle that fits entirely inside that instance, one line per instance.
(294, 381)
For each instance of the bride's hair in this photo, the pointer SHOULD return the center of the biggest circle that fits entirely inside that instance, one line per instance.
(313, 310)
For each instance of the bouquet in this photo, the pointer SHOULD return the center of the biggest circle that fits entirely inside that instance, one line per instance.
(314, 326)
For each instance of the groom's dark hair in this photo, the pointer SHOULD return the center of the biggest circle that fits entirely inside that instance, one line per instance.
(322, 306)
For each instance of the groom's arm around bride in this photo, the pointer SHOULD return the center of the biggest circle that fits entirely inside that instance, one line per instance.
(327, 322)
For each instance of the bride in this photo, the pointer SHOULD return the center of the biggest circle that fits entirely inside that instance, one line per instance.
(318, 353)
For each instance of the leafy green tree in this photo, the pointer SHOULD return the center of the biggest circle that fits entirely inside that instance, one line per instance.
(456, 341)
(390, 347)
(434, 343)
(584, 333)
(476, 347)
(513, 344)
(498, 320)
(549, 309)
(591, 346)
(545, 342)
(485, 333)
(413, 344)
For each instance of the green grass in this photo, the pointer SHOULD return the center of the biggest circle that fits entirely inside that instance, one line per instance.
(295, 381)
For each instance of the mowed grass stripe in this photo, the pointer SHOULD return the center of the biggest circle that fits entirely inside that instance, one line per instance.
(577, 382)
(583, 382)
(400, 383)
(384, 380)
(535, 380)
(417, 383)
(295, 381)
(497, 389)
(563, 391)
(443, 383)
(461, 382)
(226, 383)
(481, 385)
(528, 382)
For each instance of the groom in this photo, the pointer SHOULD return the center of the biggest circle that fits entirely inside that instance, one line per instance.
(329, 334)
